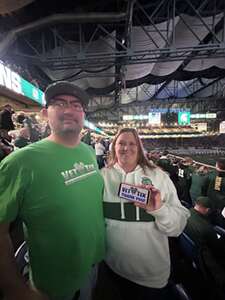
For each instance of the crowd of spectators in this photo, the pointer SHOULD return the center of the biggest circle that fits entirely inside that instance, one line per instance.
(199, 188)
(202, 190)
(202, 142)
(18, 129)
(24, 72)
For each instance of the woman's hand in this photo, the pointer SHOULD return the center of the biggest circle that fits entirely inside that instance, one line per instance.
(154, 200)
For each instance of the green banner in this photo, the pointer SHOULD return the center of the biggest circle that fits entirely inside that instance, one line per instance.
(32, 92)
(184, 118)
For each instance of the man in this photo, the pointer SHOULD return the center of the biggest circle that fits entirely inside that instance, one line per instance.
(216, 187)
(100, 151)
(23, 139)
(165, 163)
(212, 252)
(199, 182)
(55, 187)
(6, 123)
(185, 172)
(202, 232)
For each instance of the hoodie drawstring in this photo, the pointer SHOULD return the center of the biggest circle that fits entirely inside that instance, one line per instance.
(122, 209)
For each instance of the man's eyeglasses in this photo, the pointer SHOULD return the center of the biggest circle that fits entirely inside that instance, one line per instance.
(64, 104)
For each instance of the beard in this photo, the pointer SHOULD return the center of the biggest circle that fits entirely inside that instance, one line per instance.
(70, 131)
(72, 128)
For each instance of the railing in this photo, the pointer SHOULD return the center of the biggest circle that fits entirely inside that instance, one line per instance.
(194, 162)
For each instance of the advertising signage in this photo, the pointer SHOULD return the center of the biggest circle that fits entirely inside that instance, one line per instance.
(14, 82)
(154, 118)
(184, 118)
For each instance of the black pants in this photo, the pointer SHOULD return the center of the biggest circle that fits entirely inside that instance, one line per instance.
(100, 161)
(111, 286)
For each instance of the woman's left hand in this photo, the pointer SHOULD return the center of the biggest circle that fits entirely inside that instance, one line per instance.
(154, 200)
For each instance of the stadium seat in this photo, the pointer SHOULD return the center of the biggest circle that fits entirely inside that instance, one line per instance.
(185, 204)
(219, 230)
(189, 248)
(22, 260)
(207, 274)
(179, 292)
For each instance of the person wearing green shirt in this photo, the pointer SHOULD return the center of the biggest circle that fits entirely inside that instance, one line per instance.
(55, 188)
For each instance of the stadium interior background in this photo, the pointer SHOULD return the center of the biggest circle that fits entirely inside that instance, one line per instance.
(157, 66)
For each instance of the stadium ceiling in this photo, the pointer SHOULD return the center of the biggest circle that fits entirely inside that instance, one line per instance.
(120, 51)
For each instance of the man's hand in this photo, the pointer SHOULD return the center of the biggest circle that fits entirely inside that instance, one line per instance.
(154, 201)
(26, 294)
(12, 283)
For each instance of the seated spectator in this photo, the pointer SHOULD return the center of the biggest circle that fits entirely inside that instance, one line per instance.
(23, 138)
(5, 148)
(201, 231)
(6, 123)
(20, 117)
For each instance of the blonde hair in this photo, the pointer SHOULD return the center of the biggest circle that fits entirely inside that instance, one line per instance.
(141, 160)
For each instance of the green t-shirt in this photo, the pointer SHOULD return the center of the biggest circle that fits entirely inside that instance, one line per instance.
(57, 193)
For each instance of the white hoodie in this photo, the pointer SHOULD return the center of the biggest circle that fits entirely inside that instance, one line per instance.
(138, 250)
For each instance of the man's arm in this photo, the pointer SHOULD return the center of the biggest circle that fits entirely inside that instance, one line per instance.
(12, 283)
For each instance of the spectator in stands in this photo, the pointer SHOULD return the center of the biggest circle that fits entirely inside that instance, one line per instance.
(216, 189)
(20, 118)
(31, 124)
(6, 123)
(216, 192)
(100, 151)
(55, 188)
(200, 229)
(23, 139)
(5, 148)
(110, 145)
(202, 232)
(46, 131)
(138, 260)
(86, 138)
(185, 171)
(199, 183)
(165, 163)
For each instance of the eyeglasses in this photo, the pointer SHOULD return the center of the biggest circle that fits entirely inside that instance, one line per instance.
(64, 104)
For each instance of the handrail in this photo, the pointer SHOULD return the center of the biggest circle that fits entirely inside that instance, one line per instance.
(194, 162)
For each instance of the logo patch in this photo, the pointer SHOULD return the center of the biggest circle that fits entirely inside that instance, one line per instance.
(79, 172)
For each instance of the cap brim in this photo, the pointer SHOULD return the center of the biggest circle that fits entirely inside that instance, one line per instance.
(66, 88)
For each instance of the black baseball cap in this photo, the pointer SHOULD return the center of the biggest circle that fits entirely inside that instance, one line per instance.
(65, 88)
(204, 201)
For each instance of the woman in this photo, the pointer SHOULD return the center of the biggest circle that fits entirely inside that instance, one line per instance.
(138, 259)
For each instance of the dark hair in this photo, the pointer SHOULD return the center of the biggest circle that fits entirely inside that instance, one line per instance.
(204, 201)
(142, 159)
(221, 163)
